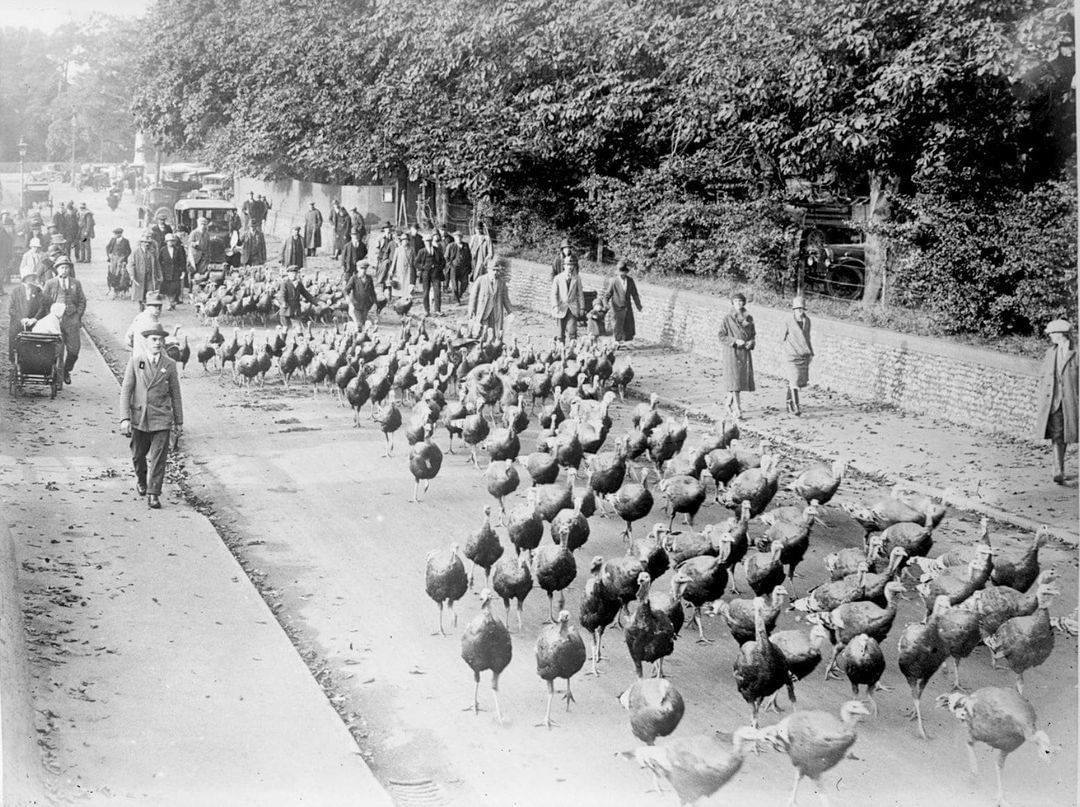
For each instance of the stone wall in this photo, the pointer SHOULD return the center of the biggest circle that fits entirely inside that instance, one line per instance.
(984, 389)
(290, 198)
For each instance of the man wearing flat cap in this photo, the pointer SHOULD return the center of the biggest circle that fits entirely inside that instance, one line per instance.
(66, 289)
(292, 291)
(160, 229)
(313, 221)
(151, 408)
(1056, 420)
(118, 250)
(292, 251)
(145, 269)
(430, 267)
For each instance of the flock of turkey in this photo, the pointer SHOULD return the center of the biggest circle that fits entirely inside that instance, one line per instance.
(486, 392)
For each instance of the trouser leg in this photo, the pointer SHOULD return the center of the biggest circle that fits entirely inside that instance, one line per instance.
(140, 445)
(427, 295)
(72, 344)
(159, 452)
(438, 298)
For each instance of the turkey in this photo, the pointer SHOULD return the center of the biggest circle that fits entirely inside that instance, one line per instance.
(764, 570)
(655, 708)
(543, 467)
(445, 580)
(550, 499)
(760, 668)
(755, 485)
(607, 470)
(501, 479)
(921, 653)
(483, 548)
(959, 630)
(681, 546)
(997, 604)
(1026, 641)
(794, 538)
(512, 580)
(525, 526)
(802, 653)
(847, 621)
(649, 549)
(425, 460)
(827, 596)
(599, 608)
(957, 587)
(570, 527)
(685, 495)
(474, 430)
(1020, 570)
(555, 569)
(723, 466)
(650, 636)
(697, 766)
(645, 416)
(819, 482)
(863, 663)
(633, 502)
(485, 645)
(560, 653)
(699, 581)
(738, 530)
(886, 510)
(389, 420)
(816, 742)
(738, 615)
(1002, 719)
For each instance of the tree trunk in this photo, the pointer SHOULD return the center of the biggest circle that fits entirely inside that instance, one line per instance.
(442, 204)
(882, 189)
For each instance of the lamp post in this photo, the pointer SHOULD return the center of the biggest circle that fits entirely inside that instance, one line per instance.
(22, 180)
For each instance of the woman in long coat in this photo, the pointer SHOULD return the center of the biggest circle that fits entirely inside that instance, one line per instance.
(1057, 396)
(622, 295)
(798, 351)
(489, 299)
(736, 336)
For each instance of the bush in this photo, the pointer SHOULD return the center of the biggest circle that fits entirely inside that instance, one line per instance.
(994, 268)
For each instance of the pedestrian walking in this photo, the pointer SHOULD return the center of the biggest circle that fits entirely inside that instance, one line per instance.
(341, 224)
(173, 261)
(403, 266)
(198, 248)
(160, 229)
(292, 291)
(151, 409)
(352, 252)
(737, 336)
(118, 251)
(66, 289)
(358, 226)
(146, 270)
(146, 319)
(489, 299)
(33, 258)
(84, 249)
(430, 267)
(360, 293)
(1059, 379)
(458, 265)
(566, 257)
(798, 351)
(481, 249)
(621, 295)
(313, 222)
(26, 303)
(567, 301)
(253, 246)
(292, 251)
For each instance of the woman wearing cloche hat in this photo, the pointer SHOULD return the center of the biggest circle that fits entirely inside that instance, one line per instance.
(1057, 396)
(798, 351)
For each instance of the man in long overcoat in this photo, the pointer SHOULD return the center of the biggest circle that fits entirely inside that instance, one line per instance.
(117, 251)
(83, 248)
(458, 265)
(145, 270)
(173, 260)
(292, 251)
(312, 230)
(253, 247)
(430, 267)
(66, 289)
(342, 226)
(1059, 379)
(352, 252)
(621, 295)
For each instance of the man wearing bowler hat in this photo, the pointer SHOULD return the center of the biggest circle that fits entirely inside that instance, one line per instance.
(1057, 396)
(150, 409)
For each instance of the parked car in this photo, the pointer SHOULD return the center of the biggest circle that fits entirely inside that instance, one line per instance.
(829, 249)
(218, 212)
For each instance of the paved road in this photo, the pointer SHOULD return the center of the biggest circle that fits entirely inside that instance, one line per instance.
(323, 523)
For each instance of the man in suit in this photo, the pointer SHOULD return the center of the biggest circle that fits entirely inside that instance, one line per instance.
(67, 290)
(145, 269)
(403, 267)
(173, 261)
(352, 253)
(384, 252)
(253, 247)
(360, 292)
(567, 301)
(357, 221)
(25, 303)
(341, 225)
(160, 229)
(150, 409)
(458, 265)
(430, 266)
(86, 234)
(292, 251)
(312, 230)
(292, 290)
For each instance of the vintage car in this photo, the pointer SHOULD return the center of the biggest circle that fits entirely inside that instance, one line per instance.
(831, 255)
(36, 193)
(217, 212)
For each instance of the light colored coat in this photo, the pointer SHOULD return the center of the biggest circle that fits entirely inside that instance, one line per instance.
(567, 295)
(1068, 379)
(489, 302)
(150, 395)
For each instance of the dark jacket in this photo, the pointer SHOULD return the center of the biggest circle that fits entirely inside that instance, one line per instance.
(118, 248)
(73, 298)
(459, 260)
(360, 289)
(292, 252)
(430, 264)
(172, 269)
(351, 254)
(291, 294)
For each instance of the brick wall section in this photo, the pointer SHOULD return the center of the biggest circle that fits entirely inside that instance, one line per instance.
(984, 389)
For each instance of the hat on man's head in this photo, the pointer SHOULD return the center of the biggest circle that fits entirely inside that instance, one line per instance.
(63, 260)
(1058, 326)
(622, 266)
(739, 296)
(35, 242)
(163, 217)
(146, 237)
(57, 240)
(157, 330)
(565, 244)
(154, 299)
(428, 236)
(172, 237)
(797, 303)
(117, 230)
(456, 234)
(312, 203)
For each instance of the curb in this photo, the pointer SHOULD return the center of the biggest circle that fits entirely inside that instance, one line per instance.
(21, 765)
(965, 503)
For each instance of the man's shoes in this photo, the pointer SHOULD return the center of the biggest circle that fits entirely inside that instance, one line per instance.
(153, 502)
(141, 488)
(67, 377)
(1060, 479)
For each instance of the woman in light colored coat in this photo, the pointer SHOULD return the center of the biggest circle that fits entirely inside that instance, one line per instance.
(1059, 379)
(489, 299)
(737, 337)
(798, 352)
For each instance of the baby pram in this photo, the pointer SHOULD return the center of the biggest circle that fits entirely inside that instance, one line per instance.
(39, 359)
